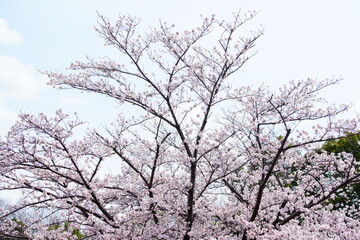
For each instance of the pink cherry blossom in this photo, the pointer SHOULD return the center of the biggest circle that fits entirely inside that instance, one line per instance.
(205, 160)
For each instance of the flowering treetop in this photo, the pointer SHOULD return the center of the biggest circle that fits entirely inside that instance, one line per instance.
(205, 160)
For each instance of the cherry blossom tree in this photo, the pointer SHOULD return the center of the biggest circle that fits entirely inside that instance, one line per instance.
(204, 156)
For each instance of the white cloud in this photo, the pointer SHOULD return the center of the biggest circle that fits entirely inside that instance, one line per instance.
(18, 81)
(6, 114)
(7, 119)
(9, 36)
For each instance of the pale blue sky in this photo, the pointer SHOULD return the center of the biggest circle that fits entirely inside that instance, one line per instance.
(318, 39)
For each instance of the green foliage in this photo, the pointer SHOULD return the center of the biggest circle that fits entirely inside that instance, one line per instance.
(350, 195)
(20, 223)
(347, 144)
(18, 231)
(75, 232)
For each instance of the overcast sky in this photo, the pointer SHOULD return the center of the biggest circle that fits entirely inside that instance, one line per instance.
(307, 38)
